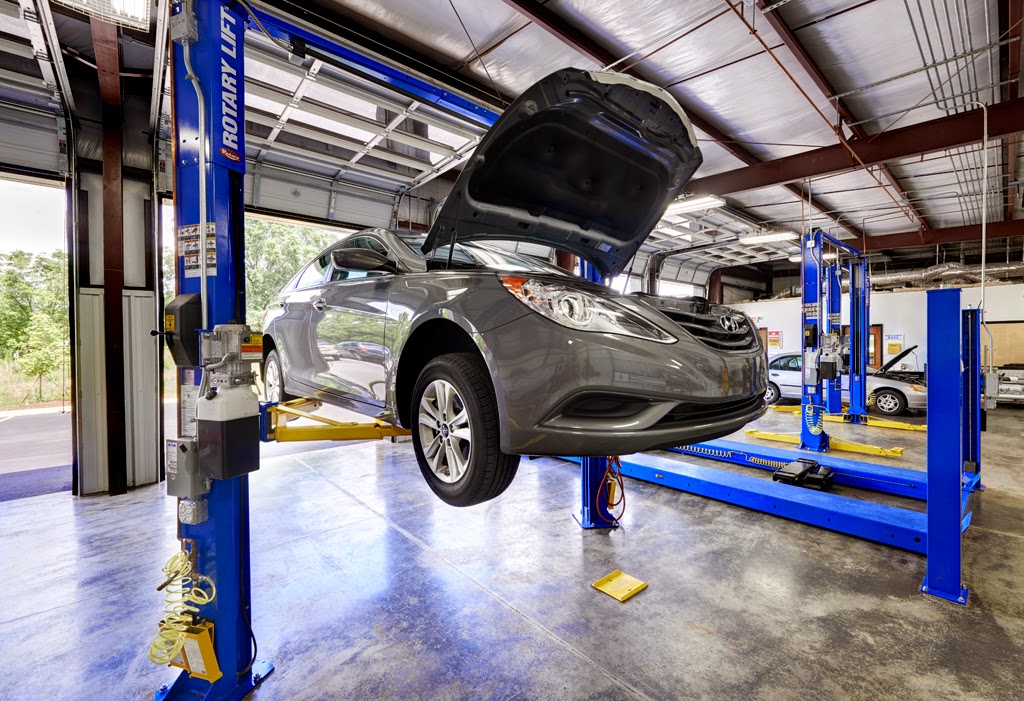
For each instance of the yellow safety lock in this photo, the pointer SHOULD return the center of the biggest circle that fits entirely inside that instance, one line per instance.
(197, 656)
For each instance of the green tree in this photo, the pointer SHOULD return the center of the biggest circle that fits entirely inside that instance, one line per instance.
(30, 285)
(16, 294)
(45, 348)
(274, 252)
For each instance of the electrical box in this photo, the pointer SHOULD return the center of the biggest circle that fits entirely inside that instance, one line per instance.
(830, 359)
(182, 467)
(182, 319)
(811, 335)
(811, 376)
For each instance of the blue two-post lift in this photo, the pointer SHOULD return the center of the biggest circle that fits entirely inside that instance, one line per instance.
(221, 545)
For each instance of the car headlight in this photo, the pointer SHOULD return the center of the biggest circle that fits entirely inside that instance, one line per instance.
(578, 309)
(915, 388)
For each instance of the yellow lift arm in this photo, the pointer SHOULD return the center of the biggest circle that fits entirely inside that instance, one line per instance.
(276, 418)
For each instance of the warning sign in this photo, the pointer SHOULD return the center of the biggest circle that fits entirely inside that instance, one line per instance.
(774, 340)
(252, 347)
(188, 247)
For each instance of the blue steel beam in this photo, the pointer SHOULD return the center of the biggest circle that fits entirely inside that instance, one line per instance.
(898, 481)
(945, 448)
(889, 525)
(378, 71)
(971, 420)
(222, 542)
(812, 424)
(860, 324)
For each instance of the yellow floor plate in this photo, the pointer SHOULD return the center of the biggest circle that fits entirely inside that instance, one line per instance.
(834, 443)
(620, 585)
(872, 420)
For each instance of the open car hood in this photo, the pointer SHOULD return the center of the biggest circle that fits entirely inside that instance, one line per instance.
(892, 363)
(582, 161)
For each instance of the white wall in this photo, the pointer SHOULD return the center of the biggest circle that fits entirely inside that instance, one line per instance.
(898, 312)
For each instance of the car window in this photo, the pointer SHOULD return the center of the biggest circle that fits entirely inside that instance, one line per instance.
(314, 272)
(780, 363)
(794, 362)
(367, 242)
(481, 255)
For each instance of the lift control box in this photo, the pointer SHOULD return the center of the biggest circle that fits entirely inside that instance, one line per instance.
(183, 318)
(182, 466)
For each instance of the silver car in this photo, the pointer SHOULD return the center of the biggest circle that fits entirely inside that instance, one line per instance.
(891, 391)
(487, 355)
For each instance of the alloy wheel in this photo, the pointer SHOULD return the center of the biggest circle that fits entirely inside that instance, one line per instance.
(272, 381)
(887, 403)
(445, 431)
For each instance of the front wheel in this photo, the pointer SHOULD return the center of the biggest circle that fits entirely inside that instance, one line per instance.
(455, 431)
(890, 402)
(772, 394)
(273, 379)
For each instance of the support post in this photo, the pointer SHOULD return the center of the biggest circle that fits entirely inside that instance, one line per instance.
(945, 448)
(594, 510)
(859, 330)
(222, 541)
(812, 431)
(832, 323)
(972, 411)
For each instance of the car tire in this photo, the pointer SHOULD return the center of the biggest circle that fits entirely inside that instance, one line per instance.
(890, 402)
(454, 423)
(273, 389)
(772, 395)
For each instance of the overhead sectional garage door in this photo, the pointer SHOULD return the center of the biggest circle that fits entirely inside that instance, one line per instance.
(325, 141)
(32, 126)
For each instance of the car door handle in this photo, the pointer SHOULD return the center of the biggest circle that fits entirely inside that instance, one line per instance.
(774, 374)
(320, 304)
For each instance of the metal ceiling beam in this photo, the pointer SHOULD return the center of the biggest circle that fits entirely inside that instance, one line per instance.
(952, 234)
(925, 137)
(572, 36)
(826, 88)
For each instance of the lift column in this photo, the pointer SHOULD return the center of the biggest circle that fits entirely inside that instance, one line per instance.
(859, 330)
(812, 434)
(218, 522)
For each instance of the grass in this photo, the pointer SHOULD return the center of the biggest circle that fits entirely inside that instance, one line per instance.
(18, 391)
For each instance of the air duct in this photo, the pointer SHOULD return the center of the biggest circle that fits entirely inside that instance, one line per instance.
(946, 271)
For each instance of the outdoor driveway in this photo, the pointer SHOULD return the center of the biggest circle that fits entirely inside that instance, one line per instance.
(33, 439)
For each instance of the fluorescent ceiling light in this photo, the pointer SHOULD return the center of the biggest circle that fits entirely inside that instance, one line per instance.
(767, 237)
(695, 204)
(825, 256)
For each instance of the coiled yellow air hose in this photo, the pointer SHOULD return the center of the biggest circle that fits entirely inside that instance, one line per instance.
(814, 426)
(184, 594)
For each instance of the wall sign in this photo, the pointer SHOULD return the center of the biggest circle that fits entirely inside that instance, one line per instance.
(893, 343)
(774, 340)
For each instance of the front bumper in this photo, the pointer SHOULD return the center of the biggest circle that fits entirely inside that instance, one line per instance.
(549, 379)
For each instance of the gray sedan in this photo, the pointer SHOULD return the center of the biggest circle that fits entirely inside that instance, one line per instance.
(487, 355)
(891, 391)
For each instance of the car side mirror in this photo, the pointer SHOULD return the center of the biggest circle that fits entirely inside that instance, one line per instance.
(363, 259)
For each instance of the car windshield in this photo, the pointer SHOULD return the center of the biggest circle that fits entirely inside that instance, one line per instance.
(478, 255)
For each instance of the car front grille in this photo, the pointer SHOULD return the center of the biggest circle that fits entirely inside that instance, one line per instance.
(708, 329)
(689, 413)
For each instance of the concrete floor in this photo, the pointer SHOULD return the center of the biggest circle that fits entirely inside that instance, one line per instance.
(368, 587)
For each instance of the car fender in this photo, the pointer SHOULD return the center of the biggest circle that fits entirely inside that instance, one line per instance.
(452, 310)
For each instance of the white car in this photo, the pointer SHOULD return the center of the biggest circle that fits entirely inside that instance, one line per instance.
(893, 391)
